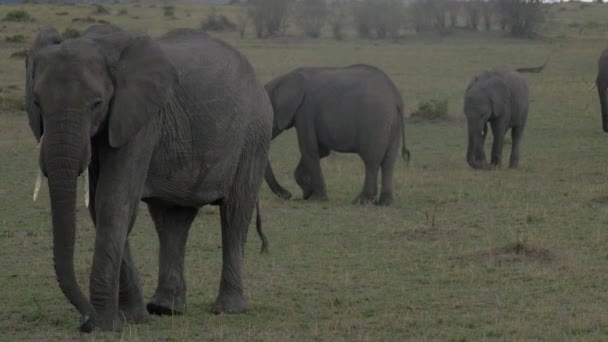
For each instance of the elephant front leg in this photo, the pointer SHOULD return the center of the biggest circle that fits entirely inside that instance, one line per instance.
(172, 226)
(130, 298)
(498, 132)
(310, 180)
(235, 219)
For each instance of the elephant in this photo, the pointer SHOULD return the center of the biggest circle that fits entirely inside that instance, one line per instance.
(499, 96)
(601, 83)
(177, 122)
(353, 109)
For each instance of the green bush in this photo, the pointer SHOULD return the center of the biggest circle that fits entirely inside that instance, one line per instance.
(70, 33)
(18, 15)
(18, 38)
(217, 22)
(169, 11)
(432, 109)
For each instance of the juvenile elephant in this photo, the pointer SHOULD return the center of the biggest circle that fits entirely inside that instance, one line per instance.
(601, 83)
(355, 109)
(178, 122)
(500, 97)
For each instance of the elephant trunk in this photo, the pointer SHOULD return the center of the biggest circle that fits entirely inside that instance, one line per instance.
(274, 184)
(64, 157)
(475, 147)
(601, 90)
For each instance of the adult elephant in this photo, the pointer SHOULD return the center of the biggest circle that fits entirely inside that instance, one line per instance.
(498, 97)
(354, 109)
(178, 122)
(601, 83)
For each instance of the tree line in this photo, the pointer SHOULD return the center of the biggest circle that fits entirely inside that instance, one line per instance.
(381, 19)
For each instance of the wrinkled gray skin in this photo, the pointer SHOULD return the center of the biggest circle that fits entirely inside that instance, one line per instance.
(498, 97)
(601, 83)
(178, 122)
(355, 109)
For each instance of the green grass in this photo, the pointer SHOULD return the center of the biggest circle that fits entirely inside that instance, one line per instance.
(461, 255)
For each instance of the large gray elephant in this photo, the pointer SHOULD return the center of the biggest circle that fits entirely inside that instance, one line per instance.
(355, 109)
(498, 97)
(178, 122)
(601, 83)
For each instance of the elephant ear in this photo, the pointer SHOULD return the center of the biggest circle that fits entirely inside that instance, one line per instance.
(46, 36)
(144, 79)
(287, 95)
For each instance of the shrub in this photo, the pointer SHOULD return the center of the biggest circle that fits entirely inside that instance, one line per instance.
(123, 11)
(217, 22)
(62, 13)
(169, 11)
(70, 33)
(269, 16)
(338, 17)
(242, 21)
(18, 15)
(520, 17)
(310, 16)
(378, 18)
(18, 38)
(100, 10)
(432, 109)
(21, 54)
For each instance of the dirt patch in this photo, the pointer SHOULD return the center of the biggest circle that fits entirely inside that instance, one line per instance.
(426, 233)
(516, 251)
(599, 201)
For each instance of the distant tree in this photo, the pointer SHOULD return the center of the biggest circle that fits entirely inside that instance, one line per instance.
(520, 17)
(453, 9)
(378, 18)
(310, 16)
(338, 16)
(269, 16)
(432, 15)
(486, 13)
(473, 11)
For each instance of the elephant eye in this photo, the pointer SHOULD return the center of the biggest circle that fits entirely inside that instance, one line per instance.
(96, 105)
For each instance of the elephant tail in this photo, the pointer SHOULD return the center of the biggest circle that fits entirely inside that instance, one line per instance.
(405, 153)
(258, 227)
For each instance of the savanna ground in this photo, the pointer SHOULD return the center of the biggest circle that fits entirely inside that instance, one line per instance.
(461, 255)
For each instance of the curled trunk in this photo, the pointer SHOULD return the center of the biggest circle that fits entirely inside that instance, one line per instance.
(274, 184)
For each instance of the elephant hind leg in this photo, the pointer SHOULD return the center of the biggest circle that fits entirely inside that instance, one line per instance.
(388, 167)
(516, 135)
(172, 225)
(370, 184)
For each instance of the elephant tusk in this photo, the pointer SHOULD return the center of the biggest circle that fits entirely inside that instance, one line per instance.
(86, 187)
(40, 177)
(593, 86)
(39, 180)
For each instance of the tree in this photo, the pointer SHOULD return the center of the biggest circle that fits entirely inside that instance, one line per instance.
(269, 16)
(310, 16)
(520, 17)
(378, 18)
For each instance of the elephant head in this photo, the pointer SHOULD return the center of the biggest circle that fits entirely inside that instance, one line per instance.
(286, 95)
(601, 83)
(106, 84)
(486, 98)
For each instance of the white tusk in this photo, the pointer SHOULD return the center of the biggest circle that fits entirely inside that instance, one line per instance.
(86, 187)
(39, 180)
(593, 86)
(40, 177)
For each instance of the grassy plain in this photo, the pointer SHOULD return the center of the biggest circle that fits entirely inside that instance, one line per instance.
(461, 255)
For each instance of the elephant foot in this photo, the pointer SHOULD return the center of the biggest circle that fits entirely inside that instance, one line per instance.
(135, 314)
(384, 200)
(100, 324)
(230, 303)
(165, 305)
(363, 200)
(284, 194)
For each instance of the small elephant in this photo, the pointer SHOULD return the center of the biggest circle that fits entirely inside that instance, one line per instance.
(354, 109)
(177, 122)
(500, 97)
(601, 84)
